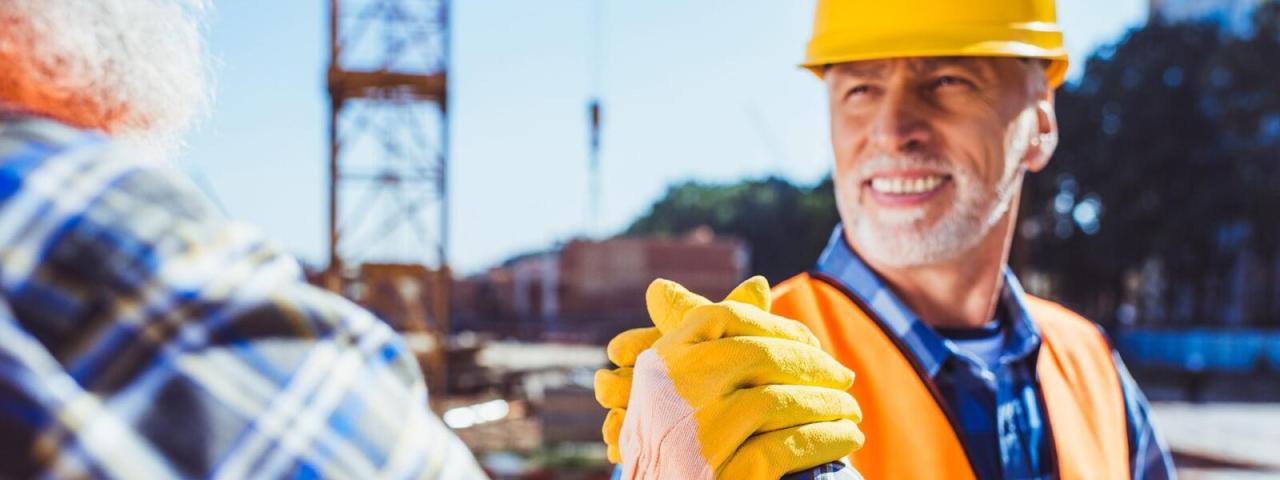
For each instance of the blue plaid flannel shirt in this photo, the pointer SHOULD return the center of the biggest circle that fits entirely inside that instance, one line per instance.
(142, 335)
(1001, 415)
(830, 471)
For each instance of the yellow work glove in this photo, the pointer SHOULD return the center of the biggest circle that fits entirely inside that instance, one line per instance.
(729, 390)
(613, 387)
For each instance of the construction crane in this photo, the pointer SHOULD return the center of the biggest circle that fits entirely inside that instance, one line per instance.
(595, 112)
(388, 166)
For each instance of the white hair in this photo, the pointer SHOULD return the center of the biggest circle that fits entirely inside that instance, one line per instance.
(132, 68)
(1037, 81)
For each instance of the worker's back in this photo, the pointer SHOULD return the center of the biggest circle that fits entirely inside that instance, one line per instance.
(142, 335)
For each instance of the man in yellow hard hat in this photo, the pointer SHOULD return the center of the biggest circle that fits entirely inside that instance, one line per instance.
(938, 109)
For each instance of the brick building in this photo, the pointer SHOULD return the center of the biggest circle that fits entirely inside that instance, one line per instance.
(590, 290)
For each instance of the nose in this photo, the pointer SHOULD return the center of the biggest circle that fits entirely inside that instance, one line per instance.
(900, 124)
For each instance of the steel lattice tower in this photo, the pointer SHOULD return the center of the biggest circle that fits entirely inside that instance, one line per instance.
(388, 163)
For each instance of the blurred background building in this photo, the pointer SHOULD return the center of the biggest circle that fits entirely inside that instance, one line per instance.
(588, 291)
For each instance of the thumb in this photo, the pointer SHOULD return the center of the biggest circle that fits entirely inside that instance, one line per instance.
(754, 291)
(668, 301)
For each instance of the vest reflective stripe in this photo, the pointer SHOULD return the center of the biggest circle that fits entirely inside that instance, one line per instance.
(908, 425)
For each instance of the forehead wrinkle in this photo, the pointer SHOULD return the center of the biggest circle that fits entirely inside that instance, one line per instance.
(876, 69)
(976, 65)
(864, 69)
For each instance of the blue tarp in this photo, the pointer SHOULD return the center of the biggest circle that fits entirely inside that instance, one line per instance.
(1227, 351)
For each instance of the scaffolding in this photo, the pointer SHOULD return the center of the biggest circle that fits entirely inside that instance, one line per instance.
(388, 165)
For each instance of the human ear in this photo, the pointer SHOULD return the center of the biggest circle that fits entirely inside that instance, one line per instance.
(1045, 139)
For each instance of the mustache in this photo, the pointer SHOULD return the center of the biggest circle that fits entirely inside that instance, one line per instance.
(884, 163)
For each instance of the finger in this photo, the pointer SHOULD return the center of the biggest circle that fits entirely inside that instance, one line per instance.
(789, 406)
(625, 347)
(710, 370)
(613, 387)
(611, 430)
(753, 411)
(774, 454)
(709, 322)
(614, 454)
(754, 291)
(668, 301)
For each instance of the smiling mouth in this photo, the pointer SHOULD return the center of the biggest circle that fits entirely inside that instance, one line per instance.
(907, 185)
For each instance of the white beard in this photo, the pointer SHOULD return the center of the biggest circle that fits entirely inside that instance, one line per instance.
(134, 68)
(898, 239)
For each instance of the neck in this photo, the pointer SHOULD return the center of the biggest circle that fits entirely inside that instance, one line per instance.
(962, 292)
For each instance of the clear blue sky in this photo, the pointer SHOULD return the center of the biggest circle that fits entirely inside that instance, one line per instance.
(693, 90)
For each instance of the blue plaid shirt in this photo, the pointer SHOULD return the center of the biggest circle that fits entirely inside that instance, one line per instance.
(144, 336)
(830, 471)
(999, 410)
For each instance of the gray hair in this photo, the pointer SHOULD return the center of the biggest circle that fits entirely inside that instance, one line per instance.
(131, 68)
(1037, 82)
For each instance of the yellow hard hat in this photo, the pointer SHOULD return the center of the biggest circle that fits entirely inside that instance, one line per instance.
(852, 30)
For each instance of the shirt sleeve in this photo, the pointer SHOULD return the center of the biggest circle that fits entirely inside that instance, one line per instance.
(830, 471)
(1148, 456)
(149, 337)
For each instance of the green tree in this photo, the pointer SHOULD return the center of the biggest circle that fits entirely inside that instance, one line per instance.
(1173, 132)
(784, 225)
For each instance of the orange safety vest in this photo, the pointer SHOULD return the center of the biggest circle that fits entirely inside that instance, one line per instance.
(910, 434)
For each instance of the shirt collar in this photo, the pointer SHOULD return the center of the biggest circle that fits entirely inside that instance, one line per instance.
(839, 262)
